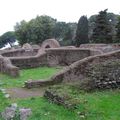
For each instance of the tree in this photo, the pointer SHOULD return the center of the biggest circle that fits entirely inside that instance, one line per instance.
(113, 20)
(82, 31)
(36, 30)
(118, 31)
(7, 38)
(102, 30)
(21, 31)
(60, 30)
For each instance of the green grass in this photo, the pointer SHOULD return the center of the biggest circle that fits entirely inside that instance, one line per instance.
(102, 105)
(34, 74)
(3, 102)
(98, 105)
(43, 110)
(95, 106)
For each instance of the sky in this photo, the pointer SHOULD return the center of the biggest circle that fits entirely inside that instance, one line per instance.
(13, 11)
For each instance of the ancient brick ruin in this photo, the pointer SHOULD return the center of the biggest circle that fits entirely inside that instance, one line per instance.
(77, 71)
(76, 60)
(7, 67)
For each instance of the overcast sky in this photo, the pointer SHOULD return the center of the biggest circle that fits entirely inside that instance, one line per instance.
(12, 11)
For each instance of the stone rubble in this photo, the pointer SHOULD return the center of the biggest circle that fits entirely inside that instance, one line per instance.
(13, 112)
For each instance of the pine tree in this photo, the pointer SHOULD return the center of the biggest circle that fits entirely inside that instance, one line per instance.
(118, 31)
(102, 30)
(82, 31)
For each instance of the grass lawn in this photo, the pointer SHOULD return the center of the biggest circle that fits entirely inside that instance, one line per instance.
(34, 74)
(3, 102)
(95, 106)
(99, 105)
(102, 105)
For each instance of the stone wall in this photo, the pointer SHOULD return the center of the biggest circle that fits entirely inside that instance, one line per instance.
(77, 71)
(18, 53)
(7, 67)
(39, 83)
(75, 54)
(30, 61)
(64, 99)
(50, 43)
(104, 75)
(67, 56)
(52, 57)
(94, 46)
(105, 48)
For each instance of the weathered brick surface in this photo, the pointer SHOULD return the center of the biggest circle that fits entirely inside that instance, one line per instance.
(66, 56)
(7, 67)
(77, 71)
(30, 61)
(105, 48)
(19, 53)
(53, 57)
(50, 43)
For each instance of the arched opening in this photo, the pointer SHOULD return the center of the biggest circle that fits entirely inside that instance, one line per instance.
(47, 46)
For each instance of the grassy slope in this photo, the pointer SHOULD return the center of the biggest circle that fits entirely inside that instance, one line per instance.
(35, 74)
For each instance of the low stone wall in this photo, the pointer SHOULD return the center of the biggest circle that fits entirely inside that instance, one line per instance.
(94, 46)
(67, 56)
(105, 48)
(116, 45)
(30, 61)
(7, 67)
(59, 53)
(19, 53)
(39, 83)
(64, 100)
(52, 57)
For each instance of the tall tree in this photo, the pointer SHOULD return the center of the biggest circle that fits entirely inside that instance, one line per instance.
(21, 31)
(102, 30)
(36, 30)
(82, 31)
(60, 30)
(113, 20)
(7, 38)
(118, 31)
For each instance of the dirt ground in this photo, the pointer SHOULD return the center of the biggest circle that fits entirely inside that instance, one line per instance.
(24, 92)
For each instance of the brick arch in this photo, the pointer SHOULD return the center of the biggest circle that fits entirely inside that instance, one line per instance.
(50, 43)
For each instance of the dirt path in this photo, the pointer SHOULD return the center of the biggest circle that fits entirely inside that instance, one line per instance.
(25, 93)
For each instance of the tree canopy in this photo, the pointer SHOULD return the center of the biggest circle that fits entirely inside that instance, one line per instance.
(8, 37)
(113, 20)
(82, 31)
(36, 30)
(43, 27)
(117, 40)
(102, 30)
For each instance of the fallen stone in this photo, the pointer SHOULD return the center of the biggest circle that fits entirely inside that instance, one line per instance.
(8, 113)
(25, 113)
